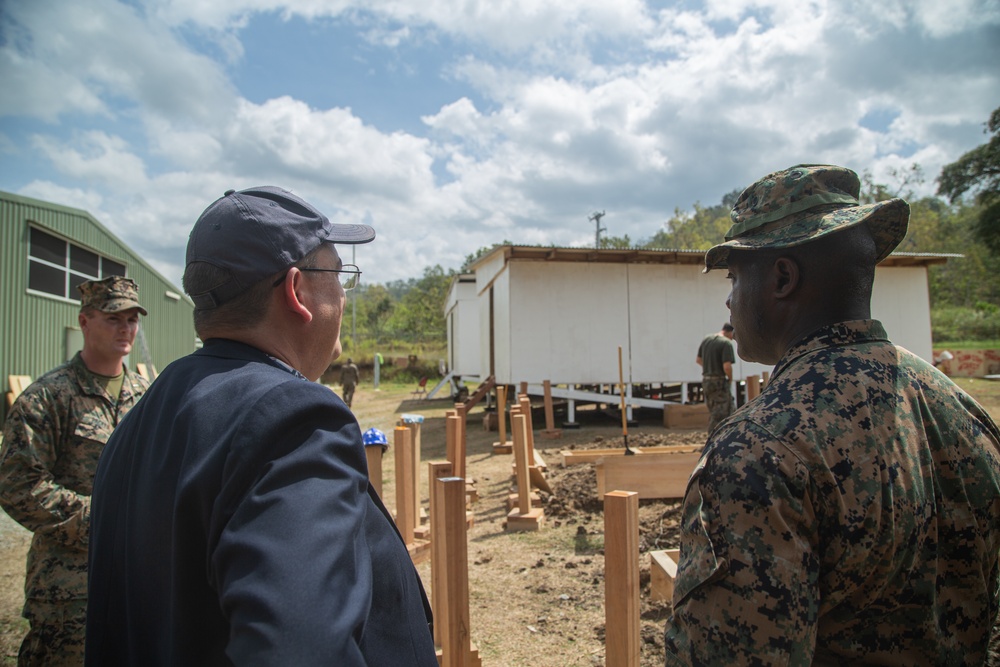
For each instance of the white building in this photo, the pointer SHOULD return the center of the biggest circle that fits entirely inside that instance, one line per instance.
(560, 314)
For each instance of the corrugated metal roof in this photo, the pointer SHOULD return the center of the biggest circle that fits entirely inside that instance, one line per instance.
(664, 256)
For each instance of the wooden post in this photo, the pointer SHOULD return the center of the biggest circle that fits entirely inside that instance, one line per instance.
(522, 463)
(529, 426)
(621, 579)
(452, 435)
(765, 376)
(461, 411)
(456, 640)
(523, 517)
(753, 387)
(502, 446)
(404, 483)
(439, 594)
(374, 455)
(413, 423)
(550, 423)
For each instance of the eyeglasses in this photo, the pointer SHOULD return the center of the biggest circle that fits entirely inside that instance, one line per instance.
(351, 276)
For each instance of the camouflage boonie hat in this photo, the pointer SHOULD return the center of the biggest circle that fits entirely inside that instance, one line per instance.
(803, 203)
(110, 295)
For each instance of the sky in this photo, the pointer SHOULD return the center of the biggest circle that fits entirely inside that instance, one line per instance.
(451, 125)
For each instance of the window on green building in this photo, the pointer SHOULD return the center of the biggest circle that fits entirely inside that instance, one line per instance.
(56, 266)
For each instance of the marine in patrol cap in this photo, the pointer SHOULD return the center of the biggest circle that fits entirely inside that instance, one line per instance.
(804, 203)
(110, 295)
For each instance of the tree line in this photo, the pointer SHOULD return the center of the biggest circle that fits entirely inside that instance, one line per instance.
(963, 218)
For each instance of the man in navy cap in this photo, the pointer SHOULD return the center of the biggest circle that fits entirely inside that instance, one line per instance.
(850, 514)
(232, 520)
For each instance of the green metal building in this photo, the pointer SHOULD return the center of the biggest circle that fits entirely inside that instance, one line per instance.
(46, 250)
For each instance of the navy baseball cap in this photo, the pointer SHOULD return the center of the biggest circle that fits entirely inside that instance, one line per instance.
(255, 233)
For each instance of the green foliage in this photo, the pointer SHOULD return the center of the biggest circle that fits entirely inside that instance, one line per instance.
(616, 242)
(694, 231)
(482, 252)
(407, 316)
(951, 324)
(978, 171)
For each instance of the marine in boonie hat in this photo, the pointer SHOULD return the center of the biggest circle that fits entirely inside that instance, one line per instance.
(110, 295)
(804, 203)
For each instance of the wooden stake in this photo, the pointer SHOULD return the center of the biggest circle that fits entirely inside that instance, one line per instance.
(550, 423)
(456, 641)
(621, 578)
(502, 446)
(405, 516)
(452, 448)
(524, 516)
(374, 455)
(439, 594)
(414, 427)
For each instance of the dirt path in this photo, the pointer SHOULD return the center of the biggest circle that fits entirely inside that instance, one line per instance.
(537, 599)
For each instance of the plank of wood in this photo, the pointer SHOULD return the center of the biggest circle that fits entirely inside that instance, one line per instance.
(621, 578)
(649, 475)
(663, 573)
(573, 457)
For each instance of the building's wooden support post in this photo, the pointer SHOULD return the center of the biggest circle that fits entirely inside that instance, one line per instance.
(502, 446)
(621, 579)
(439, 595)
(406, 478)
(753, 387)
(550, 431)
(374, 455)
(524, 516)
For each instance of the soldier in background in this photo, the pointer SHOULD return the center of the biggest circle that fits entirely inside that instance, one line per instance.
(52, 438)
(850, 514)
(715, 356)
(349, 380)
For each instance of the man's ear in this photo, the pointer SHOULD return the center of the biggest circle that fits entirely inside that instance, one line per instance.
(292, 295)
(785, 273)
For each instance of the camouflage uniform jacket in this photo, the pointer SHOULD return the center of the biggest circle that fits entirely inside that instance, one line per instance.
(850, 514)
(52, 438)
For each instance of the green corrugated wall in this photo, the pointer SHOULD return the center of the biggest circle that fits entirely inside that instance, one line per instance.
(34, 327)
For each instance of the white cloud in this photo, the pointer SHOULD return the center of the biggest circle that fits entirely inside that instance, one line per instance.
(96, 157)
(562, 108)
(79, 56)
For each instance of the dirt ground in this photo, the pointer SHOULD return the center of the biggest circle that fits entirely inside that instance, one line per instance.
(536, 599)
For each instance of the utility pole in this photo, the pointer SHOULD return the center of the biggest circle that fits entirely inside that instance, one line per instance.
(354, 304)
(596, 217)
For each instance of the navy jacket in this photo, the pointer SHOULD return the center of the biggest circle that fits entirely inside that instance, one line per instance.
(232, 524)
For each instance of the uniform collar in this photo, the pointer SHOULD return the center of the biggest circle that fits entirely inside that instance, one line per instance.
(834, 335)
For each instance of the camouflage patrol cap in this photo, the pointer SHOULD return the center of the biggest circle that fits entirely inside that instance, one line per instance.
(110, 295)
(804, 203)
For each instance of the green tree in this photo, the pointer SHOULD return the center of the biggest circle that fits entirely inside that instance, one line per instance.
(695, 231)
(479, 254)
(419, 316)
(618, 242)
(375, 306)
(978, 171)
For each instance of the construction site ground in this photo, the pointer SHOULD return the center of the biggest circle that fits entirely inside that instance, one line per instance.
(536, 598)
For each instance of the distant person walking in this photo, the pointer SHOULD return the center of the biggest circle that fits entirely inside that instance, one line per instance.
(349, 380)
(53, 436)
(716, 357)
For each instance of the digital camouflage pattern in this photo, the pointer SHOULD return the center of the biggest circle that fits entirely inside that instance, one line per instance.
(714, 351)
(718, 399)
(802, 203)
(110, 295)
(848, 515)
(52, 438)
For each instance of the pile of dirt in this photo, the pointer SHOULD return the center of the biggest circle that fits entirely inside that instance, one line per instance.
(574, 500)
